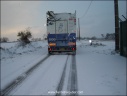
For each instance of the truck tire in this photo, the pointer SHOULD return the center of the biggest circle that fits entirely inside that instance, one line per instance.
(49, 52)
(74, 53)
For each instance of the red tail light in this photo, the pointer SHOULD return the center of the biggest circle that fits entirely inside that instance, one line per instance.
(73, 48)
(50, 49)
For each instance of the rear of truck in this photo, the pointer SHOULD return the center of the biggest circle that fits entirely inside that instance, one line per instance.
(61, 28)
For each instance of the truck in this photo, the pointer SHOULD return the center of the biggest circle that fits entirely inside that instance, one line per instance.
(61, 32)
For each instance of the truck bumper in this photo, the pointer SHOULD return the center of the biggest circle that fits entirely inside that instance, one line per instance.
(62, 49)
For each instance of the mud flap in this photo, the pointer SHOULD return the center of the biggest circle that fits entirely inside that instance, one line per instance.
(49, 52)
(74, 53)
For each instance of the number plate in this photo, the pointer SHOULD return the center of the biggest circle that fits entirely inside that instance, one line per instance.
(62, 49)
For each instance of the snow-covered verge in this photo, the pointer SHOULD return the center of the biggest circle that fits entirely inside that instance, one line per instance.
(15, 59)
(100, 47)
(101, 71)
(9, 50)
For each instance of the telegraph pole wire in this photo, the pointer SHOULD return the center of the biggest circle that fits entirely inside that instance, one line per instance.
(86, 10)
(83, 17)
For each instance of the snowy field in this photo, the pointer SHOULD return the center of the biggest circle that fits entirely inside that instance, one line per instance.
(100, 71)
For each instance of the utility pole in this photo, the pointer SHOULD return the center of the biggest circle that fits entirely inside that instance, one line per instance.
(126, 7)
(79, 28)
(116, 25)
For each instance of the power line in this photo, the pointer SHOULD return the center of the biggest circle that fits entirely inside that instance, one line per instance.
(87, 9)
(82, 17)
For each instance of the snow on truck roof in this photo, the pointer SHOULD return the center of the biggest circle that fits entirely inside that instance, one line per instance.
(59, 13)
(63, 13)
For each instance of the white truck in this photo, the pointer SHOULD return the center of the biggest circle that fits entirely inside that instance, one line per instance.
(61, 30)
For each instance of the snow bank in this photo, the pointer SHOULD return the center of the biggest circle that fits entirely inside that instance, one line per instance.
(17, 59)
(9, 50)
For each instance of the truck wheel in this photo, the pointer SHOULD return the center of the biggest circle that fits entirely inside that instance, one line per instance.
(49, 52)
(74, 53)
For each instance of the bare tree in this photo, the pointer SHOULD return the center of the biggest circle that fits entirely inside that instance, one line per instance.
(4, 39)
(93, 38)
(102, 35)
(24, 36)
(44, 36)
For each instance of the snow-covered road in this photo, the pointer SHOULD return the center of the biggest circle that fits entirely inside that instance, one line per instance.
(45, 78)
(15, 64)
(94, 70)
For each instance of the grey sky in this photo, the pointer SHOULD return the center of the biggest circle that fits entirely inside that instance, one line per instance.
(18, 15)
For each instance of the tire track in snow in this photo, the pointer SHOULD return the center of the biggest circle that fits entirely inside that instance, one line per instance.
(60, 85)
(72, 82)
(72, 87)
(20, 78)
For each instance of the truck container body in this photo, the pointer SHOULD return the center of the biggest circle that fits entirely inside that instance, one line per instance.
(61, 32)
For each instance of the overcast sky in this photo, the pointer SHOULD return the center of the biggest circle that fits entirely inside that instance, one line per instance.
(18, 15)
